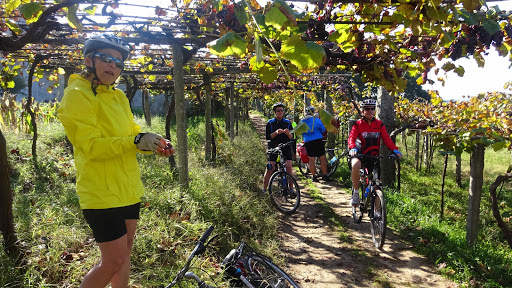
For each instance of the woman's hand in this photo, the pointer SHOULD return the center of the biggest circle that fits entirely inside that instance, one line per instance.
(148, 141)
(165, 149)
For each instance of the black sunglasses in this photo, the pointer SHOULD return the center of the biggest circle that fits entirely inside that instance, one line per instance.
(279, 110)
(369, 108)
(105, 58)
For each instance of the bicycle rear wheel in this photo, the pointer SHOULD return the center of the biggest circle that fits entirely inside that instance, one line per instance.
(378, 221)
(303, 168)
(332, 162)
(263, 273)
(280, 192)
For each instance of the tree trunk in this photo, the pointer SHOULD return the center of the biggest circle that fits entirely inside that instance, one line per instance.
(226, 111)
(168, 120)
(442, 185)
(181, 115)
(418, 150)
(208, 117)
(495, 206)
(426, 154)
(331, 137)
(404, 141)
(6, 218)
(232, 111)
(458, 169)
(145, 106)
(475, 192)
(386, 113)
(28, 106)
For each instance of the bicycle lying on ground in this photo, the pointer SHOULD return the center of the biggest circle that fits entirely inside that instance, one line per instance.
(332, 155)
(283, 188)
(242, 267)
(372, 201)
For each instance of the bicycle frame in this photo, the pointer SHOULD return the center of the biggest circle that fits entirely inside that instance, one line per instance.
(238, 265)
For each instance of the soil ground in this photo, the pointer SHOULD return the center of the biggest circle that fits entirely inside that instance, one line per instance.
(324, 248)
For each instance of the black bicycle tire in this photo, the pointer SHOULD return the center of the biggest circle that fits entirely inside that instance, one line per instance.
(267, 263)
(273, 199)
(379, 241)
(331, 168)
(304, 170)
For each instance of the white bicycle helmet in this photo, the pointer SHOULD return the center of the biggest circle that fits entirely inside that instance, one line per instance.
(106, 40)
(368, 103)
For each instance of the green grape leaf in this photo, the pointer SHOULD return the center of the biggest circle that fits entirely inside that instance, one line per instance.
(300, 128)
(276, 18)
(10, 84)
(228, 45)
(327, 118)
(307, 56)
(73, 20)
(499, 145)
(491, 26)
(31, 11)
(267, 73)
(241, 15)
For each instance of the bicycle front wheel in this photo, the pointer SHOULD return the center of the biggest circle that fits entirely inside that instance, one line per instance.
(284, 192)
(332, 162)
(263, 273)
(378, 221)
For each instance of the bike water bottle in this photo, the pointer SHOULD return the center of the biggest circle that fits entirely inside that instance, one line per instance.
(333, 160)
(366, 191)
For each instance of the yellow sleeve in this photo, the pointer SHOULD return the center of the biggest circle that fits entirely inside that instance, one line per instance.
(78, 116)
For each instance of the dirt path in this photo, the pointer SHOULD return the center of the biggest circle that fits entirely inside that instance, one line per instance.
(320, 255)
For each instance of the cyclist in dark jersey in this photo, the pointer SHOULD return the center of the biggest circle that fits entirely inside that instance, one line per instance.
(368, 131)
(277, 132)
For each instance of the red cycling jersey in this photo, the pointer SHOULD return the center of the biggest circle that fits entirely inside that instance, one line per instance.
(369, 134)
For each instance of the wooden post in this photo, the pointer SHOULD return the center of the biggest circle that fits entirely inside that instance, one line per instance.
(208, 117)
(232, 111)
(386, 113)
(6, 217)
(475, 192)
(181, 115)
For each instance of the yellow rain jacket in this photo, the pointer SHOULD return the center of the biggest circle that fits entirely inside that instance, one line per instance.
(102, 131)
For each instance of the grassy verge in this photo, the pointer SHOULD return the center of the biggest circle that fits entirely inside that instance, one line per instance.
(58, 243)
(415, 213)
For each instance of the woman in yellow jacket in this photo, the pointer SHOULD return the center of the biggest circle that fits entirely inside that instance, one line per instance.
(99, 123)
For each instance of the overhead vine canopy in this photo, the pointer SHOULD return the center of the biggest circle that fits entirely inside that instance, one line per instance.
(278, 42)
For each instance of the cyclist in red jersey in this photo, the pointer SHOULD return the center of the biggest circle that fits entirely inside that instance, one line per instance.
(367, 132)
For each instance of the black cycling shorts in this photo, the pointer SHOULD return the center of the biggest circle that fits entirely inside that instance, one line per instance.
(315, 148)
(287, 153)
(109, 224)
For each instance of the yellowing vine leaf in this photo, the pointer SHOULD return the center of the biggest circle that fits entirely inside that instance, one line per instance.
(276, 18)
(31, 11)
(228, 45)
(73, 19)
(307, 56)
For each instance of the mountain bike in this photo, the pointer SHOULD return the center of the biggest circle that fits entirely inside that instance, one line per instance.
(372, 198)
(242, 267)
(332, 155)
(283, 188)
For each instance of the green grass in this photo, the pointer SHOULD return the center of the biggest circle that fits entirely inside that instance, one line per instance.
(58, 245)
(57, 240)
(415, 213)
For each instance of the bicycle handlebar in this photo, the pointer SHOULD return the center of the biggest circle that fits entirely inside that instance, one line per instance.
(391, 156)
(206, 234)
(198, 250)
(279, 147)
